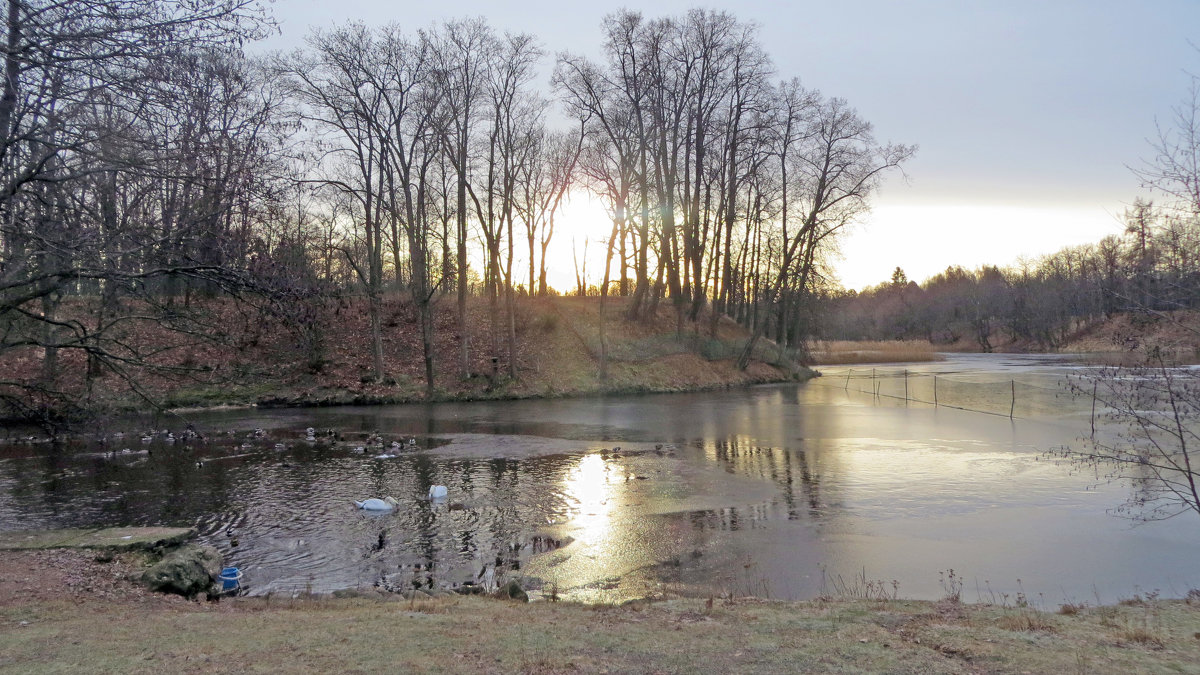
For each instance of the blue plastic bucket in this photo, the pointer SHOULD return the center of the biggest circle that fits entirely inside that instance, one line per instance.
(231, 579)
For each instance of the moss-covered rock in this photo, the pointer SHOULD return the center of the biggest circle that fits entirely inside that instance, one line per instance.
(186, 571)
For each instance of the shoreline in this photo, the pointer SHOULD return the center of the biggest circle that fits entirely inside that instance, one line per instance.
(350, 397)
(803, 374)
(73, 611)
(353, 398)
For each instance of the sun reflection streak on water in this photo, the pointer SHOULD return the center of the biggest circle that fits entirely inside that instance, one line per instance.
(589, 484)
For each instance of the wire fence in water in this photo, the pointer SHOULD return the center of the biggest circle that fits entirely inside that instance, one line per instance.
(1026, 397)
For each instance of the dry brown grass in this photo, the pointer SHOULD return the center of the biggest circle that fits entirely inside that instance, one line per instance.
(62, 611)
(476, 635)
(1070, 609)
(1026, 620)
(1142, 635)
(1123, 339)
(841, 352)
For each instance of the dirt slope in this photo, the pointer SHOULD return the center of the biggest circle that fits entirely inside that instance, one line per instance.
(238, 355)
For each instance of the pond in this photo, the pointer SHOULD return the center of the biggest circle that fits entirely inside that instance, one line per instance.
(787, 491)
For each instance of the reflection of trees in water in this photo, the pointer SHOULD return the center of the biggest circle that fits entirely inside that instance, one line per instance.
(461, 484)
(486, 511)
(779, 465)
(507, 523)
(474, 418)
(50, 484)
(276, 498)
(424, 474)
(84, 484)
(731, 518)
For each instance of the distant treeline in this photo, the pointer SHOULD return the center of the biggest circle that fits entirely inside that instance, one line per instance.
(1153, 267)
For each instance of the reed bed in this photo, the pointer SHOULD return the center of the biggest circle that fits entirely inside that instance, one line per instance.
(841, 352)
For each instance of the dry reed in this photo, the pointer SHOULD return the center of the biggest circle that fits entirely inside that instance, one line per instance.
(839, 352)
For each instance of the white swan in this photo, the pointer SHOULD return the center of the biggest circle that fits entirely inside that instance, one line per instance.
(373, 504)
(437, 491)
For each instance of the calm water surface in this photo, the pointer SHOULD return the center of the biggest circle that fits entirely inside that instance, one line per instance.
(787, 491)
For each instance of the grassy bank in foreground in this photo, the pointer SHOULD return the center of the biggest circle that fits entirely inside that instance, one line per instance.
(65, 610)
(476, 635)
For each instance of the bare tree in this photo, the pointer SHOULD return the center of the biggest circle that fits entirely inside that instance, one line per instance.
(1175, 168)
(1154, 408)
(609, 160)
(514, 115)
(409, 130)
(462, 50)
(827, 178)
(376, 95)
(338, 87)
(543, 184)
(90, 182)
(615, 101)
(1150, 439)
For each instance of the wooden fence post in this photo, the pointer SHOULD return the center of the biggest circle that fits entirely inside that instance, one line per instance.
(1094, 385)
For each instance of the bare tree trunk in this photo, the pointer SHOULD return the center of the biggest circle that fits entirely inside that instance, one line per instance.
(50, 351)
(12, 73)
(373, 307)
(608, 254)
(464, 326)
(642, 287)
(623, 289)
(545, 243)
(509, 294)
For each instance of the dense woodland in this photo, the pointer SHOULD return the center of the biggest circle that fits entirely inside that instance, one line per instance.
(150, 168)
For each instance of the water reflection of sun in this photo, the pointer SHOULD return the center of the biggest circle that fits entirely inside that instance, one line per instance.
(588, 483)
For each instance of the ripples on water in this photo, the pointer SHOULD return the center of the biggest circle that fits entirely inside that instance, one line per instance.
(287, 516)
(768, 491)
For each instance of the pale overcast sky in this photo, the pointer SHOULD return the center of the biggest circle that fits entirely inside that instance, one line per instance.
(1027, 113)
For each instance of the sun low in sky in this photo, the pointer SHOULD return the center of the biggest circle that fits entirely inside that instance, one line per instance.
(1028, 114)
